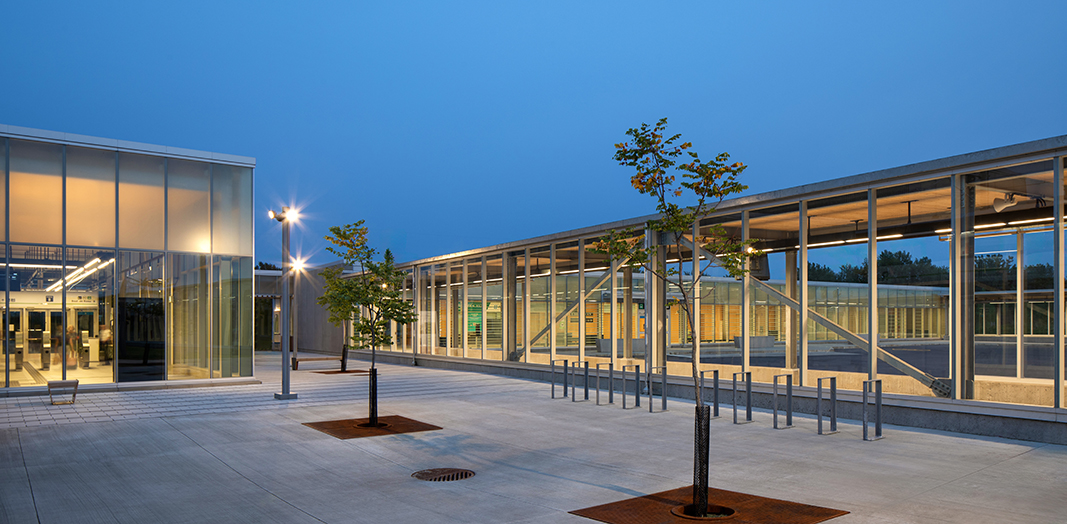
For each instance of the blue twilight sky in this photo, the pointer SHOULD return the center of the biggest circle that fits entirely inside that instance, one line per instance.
(455, 125)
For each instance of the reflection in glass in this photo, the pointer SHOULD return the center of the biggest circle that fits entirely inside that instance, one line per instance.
(232, 319)
(140, 318)
(231, 210)
(187, 287)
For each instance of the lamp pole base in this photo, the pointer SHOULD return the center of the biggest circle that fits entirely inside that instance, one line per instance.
(285, 396)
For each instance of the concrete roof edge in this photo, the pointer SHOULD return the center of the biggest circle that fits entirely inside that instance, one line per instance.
(1047, 145)
(18, 132)
(1052, 145)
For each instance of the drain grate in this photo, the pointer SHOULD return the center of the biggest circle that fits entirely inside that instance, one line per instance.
(443, 474)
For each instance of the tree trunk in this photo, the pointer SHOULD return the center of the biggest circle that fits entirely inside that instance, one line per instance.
(373, 399)
(701, 441)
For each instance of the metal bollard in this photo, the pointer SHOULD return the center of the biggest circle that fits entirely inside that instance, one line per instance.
(748, 395)
(714, 392)
(877, 386)
(586, 383)
(552, 372)
(788, 401)
(663, 389)
(598, 382)
(833, 405)
(574, 381)
(637, 384)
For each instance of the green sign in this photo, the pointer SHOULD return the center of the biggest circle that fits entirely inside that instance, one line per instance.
(474, 317)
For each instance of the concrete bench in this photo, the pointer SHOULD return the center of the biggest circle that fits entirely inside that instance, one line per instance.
(297, 361)
(62, 387)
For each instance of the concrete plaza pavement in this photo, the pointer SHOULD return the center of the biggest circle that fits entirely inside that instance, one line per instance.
(234, 454)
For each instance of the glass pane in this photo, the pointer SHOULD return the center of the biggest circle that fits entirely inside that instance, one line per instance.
(188, 206)
(139, 323)
(913, 286)
(141, 201)
(91, 314)
(36, 192)
(456, 314)
(775, 329)
(837, 289)
(3, 190)
(515, 290)
(540, 308)
(1011, 224)
(36, 296)
(440, 297)
(425, 289)
(187, 320)
(474, 308)
(566, 301)
(597, 273)
(90, 197)
(494, 319)
(231, 210)
(232, 326)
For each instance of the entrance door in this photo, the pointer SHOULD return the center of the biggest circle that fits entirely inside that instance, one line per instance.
(140, 339)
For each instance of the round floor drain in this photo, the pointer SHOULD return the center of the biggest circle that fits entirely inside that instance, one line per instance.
(443, 474)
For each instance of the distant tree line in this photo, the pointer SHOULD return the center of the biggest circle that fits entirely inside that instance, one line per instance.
(992, 272)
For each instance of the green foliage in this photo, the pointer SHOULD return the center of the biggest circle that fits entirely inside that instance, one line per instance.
(654, 159)
(266, 265)
(372, 296)
(668, 170)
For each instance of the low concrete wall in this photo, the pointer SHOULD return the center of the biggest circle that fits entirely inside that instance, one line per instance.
(1033, 423)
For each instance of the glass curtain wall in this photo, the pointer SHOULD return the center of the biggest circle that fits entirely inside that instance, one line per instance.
(475, 307)
(232, 311)
(90, 308)
(515, 296)
(187, 315)
(440, 305)
(424, 290)
(837, 291)
(494, 308)
(87, 311)
(598, 275)
(913, 285)
(566, 300)
(540, 290)
(456, 301)
(1008, 219)
(774, 331)
(720, 305)
(36, 329)
(141, 195)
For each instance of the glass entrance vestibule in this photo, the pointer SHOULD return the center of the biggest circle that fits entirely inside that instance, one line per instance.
(942, 279)
(123, 264)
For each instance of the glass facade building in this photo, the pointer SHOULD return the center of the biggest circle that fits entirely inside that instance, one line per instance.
(942, 279)
(123, 262)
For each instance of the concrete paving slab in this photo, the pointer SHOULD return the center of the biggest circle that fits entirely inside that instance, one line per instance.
(235, 454)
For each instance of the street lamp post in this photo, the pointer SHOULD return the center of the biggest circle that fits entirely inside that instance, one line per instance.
(285, 219)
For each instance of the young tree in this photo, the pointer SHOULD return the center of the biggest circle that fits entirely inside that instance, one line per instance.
(369, 298)
(654, 157)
